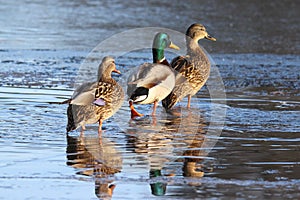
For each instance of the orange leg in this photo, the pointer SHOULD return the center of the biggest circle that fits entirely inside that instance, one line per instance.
(154, 120)
(189, 101)
(100, 127)
(154, 107)
(82, 129)
(134, 113)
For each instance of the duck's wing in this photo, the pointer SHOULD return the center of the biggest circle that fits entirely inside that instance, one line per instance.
(103, 93)
(184, 68)
(108, 93)
(183, 65)
(178, 63)
(109, 97)
(84, 94)
(150, 75)
(149, 82)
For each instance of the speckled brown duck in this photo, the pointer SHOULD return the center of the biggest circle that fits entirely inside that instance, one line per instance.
(194, 67)
(98, 101)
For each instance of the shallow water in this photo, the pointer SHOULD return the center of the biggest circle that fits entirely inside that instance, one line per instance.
(42, 47)
(256, 156)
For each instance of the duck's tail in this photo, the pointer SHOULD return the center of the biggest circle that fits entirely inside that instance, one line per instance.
(68, 101)
(71, 123)
(170, 101)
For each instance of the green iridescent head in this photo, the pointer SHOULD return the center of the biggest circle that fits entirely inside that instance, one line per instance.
(160, 42)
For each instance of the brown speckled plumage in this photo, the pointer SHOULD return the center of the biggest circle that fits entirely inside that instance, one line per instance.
(193, 68)
(109, 91)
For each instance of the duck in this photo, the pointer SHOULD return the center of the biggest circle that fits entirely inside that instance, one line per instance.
(96, 101)
(194, 67)
(162, 41)
(153, 81)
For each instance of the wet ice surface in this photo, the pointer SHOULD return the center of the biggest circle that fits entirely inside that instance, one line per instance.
(256, 156)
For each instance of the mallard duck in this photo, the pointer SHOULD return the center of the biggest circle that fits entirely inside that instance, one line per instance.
(162, 41)
(96, 101)
(153, 81)
(194, 67)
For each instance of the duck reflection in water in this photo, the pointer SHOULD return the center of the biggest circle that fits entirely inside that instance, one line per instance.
(193, 128)
(95, 158)
(175, 141)
(156, 148)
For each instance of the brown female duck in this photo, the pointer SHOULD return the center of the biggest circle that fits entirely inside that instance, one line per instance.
(194, 67)
(96, 102)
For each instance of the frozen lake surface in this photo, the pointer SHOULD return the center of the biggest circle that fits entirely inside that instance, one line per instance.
(42, 46)
(256, 156)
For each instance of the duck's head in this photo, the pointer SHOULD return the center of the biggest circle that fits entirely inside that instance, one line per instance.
(161, 41)
(198, 32)
(106, 67)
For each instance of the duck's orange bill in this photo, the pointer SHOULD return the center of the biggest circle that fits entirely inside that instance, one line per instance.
(116, 71)
(134, 113)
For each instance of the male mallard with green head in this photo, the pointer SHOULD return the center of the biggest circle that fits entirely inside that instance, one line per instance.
(153, 81)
